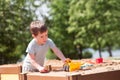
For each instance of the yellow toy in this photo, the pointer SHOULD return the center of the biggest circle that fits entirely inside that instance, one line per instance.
(71, 66)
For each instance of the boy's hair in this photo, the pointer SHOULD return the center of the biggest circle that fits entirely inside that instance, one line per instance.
(36, 27)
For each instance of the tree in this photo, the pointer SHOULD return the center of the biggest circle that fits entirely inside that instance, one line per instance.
(15, 17)
(58, 23)
(94, 23)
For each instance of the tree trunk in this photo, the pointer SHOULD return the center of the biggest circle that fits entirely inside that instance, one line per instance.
(100, 51)
(110, 52)
(79, 50)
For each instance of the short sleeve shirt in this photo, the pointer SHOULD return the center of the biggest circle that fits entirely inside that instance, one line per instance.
(39, 52)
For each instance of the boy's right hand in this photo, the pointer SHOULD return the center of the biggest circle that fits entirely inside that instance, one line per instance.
(43, 70)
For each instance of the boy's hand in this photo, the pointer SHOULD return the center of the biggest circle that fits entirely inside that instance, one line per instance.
(67, 60)
(43, 70)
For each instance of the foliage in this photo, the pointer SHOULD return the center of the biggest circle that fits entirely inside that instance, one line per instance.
(95, 23)
(15, 16)
(87, 54)
(58, 23)
(51, 55)
(89, 23)
(84, 23)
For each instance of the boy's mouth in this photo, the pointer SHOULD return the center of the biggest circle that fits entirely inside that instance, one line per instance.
(44, 41)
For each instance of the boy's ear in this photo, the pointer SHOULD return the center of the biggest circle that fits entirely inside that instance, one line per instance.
(33, 35)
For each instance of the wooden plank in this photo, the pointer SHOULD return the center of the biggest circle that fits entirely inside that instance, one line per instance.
(111, 75)
(10, 69)
(47, 76)
(10, 72)
(23, 76)
(9, 77)
(36, 77)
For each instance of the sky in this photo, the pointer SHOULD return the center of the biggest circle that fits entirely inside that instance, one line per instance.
(43, 10)
(105, 54)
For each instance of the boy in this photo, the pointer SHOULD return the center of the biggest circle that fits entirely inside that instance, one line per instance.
(38, 47)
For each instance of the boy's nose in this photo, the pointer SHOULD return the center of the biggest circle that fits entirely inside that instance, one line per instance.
(45, 38)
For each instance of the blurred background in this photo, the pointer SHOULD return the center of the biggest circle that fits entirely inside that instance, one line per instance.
(80, 28)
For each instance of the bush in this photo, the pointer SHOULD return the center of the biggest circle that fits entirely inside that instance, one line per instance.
(51, 55)
(87, 54)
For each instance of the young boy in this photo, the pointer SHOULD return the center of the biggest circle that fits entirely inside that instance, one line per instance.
(38, 47)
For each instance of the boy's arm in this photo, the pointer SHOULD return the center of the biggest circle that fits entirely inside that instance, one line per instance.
(58, 53)
(35, 64)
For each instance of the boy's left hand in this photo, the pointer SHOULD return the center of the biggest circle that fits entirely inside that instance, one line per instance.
(67, 60)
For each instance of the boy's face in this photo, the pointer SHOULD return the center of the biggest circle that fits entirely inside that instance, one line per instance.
(41, 38)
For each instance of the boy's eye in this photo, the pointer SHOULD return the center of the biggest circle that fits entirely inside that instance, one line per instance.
(46, 35)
